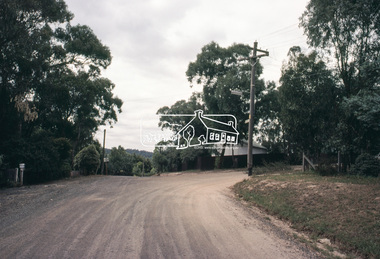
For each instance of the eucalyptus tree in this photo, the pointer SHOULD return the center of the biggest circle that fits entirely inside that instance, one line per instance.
(309, 99)
(51, 72)
(348, 31)
(50, 75)
(221, 71)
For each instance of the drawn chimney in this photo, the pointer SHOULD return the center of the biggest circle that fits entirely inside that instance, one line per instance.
(198, 113)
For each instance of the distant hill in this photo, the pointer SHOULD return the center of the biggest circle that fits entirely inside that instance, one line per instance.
(143, 153)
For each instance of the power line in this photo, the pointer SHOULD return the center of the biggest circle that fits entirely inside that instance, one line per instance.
(279, 31)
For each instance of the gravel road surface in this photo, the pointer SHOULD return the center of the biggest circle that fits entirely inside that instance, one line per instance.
(176, 216)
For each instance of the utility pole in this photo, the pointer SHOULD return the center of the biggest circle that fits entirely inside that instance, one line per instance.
(254, 59)
(104, 150)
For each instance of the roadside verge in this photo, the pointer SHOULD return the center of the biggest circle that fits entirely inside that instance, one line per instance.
(336, 213)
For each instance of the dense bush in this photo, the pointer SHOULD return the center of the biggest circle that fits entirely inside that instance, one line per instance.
(274, 167)
(367, 165)
(138, 169)
(45, 157)
(87, 160)
(120, 162)
(2, 173)
(123, 163)
(326, 165)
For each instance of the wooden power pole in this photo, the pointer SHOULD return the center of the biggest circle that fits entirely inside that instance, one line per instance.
(254, 59)
(104, 150)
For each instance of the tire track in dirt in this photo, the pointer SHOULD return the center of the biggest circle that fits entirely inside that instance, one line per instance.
(189, 215)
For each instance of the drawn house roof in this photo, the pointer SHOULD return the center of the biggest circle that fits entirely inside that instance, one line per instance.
(209, 123)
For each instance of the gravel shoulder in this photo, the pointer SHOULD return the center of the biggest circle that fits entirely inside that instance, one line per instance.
(173, 216)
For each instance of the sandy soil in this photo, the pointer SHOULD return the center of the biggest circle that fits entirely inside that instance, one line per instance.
(176, 216)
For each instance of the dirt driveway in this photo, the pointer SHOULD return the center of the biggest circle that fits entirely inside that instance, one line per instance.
(177, 216)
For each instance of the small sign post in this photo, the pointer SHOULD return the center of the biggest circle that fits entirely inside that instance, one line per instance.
(106, 160)
(22, 168)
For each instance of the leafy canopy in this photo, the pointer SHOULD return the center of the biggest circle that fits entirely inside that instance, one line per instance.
(50, 71)
(50, 76)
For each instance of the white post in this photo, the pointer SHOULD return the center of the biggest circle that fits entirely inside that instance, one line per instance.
(22, 167)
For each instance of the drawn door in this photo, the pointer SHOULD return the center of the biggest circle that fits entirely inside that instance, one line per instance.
(223, 140)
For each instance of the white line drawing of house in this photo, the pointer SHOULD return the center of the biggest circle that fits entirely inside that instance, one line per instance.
(203, 130)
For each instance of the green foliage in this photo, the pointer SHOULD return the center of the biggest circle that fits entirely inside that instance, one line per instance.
(363, 113)
(142, 153)
(308, 99)
(51, 78)
(220, 70)
(366, 164)
(350, 29)
(170, 159)
(88, 160)
(274, 167)
(341, 208)
(153, 171)
(348, 32)
(327, 166)
(45, 157)
(3, 180)
(160, 162)
(268, 107)
(123, 163)
(138, 169)
(175, 123)
(120, 162)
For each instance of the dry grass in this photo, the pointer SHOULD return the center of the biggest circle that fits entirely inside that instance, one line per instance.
(346, 210)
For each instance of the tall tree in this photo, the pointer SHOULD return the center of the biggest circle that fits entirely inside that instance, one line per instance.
(175, 158)
(363, 113)
(270, 130)
(50, 75)
(350, 31)
(308, 99)
(25, 46)
(175, 123)
(220, 71)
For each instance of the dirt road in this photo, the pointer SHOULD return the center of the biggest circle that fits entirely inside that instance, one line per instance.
(178, 216)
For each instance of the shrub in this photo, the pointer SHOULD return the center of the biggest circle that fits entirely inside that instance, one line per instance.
(120, 162)
(366, 165)
(326, 165)
(159, 161)
(271, 168)
(87, 160)
(153, 171)
(45, 157)
(138, 169)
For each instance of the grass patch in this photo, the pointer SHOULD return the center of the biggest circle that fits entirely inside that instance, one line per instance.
(344, 209)
(271, 167)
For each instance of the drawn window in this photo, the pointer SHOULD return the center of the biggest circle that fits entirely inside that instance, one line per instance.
(232, 138)
(217, 137)
(228, 138)
(212, 136)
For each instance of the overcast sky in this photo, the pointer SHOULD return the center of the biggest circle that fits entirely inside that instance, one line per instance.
(153, 41)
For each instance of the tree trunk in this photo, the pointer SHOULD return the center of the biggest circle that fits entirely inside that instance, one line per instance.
(221, 157)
